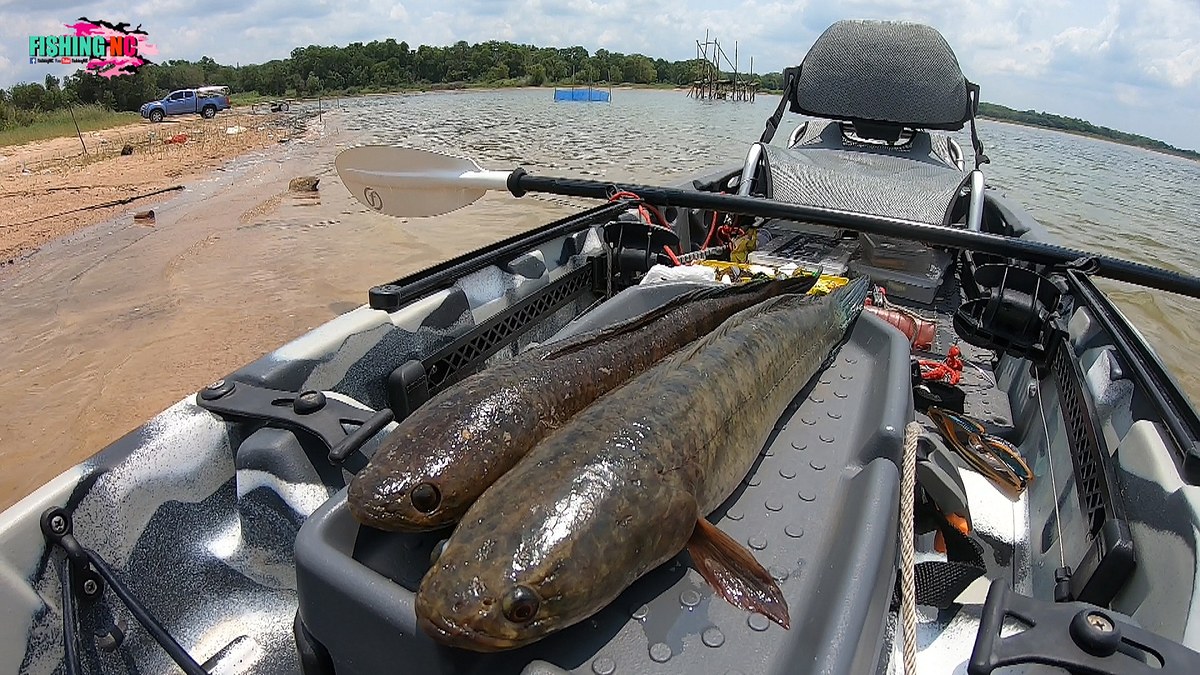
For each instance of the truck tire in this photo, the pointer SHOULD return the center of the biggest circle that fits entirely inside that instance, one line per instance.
(208, 112)
(156, 116)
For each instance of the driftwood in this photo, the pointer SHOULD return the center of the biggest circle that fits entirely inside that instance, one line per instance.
(144, 217)
(102, 205)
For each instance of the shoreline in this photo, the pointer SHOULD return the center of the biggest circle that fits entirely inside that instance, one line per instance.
(1096, 137)
(111, 325)
(113, 321)
(54, 189)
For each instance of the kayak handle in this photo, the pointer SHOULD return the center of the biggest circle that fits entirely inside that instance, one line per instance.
(355, 439)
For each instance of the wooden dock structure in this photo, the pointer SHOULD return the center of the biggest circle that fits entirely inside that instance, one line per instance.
(712, 83)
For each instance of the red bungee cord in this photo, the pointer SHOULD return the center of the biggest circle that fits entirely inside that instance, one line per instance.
(644, 210)
(949, 370)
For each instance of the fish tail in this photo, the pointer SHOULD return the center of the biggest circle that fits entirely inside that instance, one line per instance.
(850, 299)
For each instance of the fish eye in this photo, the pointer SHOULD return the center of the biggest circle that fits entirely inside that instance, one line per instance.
(520, 604)
(426, 497)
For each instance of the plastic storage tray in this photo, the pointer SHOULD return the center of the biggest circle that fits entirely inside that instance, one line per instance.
(920, 288)
(809, 251)
(817, 509)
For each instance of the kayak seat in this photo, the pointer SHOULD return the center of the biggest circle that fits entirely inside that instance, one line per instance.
(832, 169)
(882, 86)
(882, 76)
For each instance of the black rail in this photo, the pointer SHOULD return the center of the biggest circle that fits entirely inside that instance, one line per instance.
(397, 294)
(1023, 249)
(85, 574)
(1153, 380)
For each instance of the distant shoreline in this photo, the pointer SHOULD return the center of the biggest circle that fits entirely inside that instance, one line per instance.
(1175, 152)
(53, 126)
(1080, 127)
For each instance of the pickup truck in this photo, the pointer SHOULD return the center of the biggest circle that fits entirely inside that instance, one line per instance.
(206, 101)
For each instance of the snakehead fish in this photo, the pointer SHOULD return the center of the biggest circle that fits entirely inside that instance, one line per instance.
(626, 484)
(442, 457)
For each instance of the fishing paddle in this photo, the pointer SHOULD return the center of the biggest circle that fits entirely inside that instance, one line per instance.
(407, 182)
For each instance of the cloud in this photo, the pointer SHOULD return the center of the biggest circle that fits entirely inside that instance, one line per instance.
(1111, 63)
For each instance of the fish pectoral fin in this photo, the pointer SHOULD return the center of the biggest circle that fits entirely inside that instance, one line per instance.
(734, 573)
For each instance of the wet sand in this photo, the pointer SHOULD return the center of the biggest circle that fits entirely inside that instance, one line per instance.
(54, 187)
(108, 326)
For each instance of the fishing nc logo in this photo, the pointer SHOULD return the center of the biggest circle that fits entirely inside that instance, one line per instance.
(107, 49)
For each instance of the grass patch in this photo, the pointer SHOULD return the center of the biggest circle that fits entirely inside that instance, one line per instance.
(250, 98)
(57, 123)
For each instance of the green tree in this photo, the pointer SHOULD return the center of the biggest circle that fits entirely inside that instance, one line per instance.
(27, 96)
(639, 69)
(537, 75)
(497, 72)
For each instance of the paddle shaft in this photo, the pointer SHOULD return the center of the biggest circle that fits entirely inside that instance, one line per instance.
(520, 182)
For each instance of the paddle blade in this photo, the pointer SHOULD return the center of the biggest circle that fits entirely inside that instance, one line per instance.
(412, 183)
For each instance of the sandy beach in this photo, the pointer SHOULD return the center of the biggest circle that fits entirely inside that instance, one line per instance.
(58, 186)
(108, 321)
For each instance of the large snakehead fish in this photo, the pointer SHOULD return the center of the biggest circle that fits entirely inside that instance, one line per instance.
(626, 484)
(438, 460)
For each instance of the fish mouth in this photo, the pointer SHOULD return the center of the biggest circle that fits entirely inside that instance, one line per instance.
(453, 634)
(388, 521)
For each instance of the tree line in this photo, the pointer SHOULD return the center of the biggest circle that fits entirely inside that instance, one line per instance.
(382, 65)
(1078, 126)
(389, 65)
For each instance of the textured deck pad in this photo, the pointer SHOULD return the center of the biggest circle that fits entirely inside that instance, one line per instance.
(818, 511)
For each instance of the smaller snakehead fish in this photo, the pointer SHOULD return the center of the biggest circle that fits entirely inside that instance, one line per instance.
(438, 460)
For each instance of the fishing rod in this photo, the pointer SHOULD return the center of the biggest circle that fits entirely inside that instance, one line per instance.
(407, 182)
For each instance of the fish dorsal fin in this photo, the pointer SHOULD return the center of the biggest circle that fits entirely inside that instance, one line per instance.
(572, 345)
(734, 573)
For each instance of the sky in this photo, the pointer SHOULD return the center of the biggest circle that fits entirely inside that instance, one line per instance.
(1132, 65)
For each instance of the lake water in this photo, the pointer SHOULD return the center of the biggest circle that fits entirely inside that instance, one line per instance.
(1092, 194)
